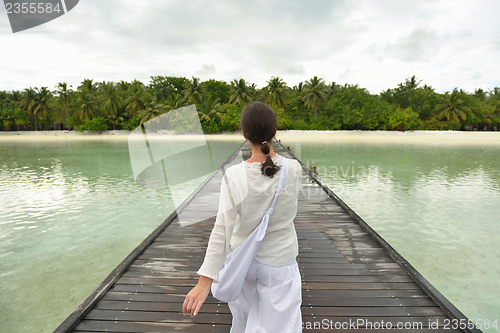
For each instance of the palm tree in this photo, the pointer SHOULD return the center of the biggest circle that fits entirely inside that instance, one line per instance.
(64, 95)
(137, 82)
(298, 90)
(152, 110)
(43, 103)
(485, 112)
(208, 110)
(276, 92)
(27, 103)
(135, 101)
(86, 105)
(194, 93)
(452, 106)
(92, 88)
(174, 101)
(240, 92)
(116, 119)
(411, 83)
(122, 85)
(253, 91)
(3, 95)
(332, 89)
(111, 100)
(314, 93)
(496, 108)
(7, 118)
(21, 121)
(494, 101)
(14, 98)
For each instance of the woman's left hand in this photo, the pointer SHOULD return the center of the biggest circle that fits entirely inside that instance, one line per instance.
(197, 296)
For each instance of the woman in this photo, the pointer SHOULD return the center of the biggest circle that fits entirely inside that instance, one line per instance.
(271, 297)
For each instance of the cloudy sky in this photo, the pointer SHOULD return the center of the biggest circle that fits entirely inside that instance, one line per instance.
(374, 43)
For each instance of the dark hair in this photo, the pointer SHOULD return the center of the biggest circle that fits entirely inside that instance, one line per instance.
(259, 123)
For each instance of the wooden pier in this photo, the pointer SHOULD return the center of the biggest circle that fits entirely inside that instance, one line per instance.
(352, 279)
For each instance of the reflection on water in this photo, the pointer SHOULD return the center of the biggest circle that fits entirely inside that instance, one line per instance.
(438, 205)
(70, 213)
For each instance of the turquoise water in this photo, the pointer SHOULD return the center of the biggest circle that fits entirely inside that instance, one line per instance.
(438, 205)
(70, 212)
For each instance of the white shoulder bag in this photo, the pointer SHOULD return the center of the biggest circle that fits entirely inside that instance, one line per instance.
(233, 273)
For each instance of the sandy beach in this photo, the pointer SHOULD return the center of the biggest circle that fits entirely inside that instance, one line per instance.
(422, 137)
(417, 137)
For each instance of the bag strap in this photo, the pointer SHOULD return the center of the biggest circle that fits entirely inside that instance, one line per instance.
(281, 182)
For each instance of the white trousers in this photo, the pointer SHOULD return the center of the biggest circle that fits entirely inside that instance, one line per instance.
(269, 301)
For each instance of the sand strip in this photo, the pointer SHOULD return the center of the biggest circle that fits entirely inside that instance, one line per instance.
(423, 137)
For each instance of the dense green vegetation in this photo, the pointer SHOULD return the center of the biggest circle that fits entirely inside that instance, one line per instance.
(310, 105)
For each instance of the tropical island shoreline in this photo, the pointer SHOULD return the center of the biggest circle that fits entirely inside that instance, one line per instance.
(286, 136)
(309, 105)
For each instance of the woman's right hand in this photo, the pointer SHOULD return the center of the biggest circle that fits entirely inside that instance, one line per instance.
(195, 298)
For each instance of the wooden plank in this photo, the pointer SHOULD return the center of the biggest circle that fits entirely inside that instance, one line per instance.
(367, 301)
(367, 272)
(355, 278)
(371, 311)
(175, 290)
(164, 277)
(354, 293)
(128, 278)
(137, 304)
(121, 326)
(165, 302)
(309, 265)
(151, 297)
(324, 260)
(359, 285)
(182, 291)
(158, 317)
(174, 270)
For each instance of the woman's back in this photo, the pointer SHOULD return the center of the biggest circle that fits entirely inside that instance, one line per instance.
(254, 193)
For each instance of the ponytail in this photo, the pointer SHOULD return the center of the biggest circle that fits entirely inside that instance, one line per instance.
(268, 167)
(259, 122)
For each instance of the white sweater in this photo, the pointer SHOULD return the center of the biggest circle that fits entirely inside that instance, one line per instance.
(245, 196)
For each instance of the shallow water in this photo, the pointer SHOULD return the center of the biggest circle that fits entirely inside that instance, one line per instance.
(437, 205)
(71, 211)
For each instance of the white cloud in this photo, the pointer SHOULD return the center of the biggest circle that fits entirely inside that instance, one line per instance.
(420, 45)
(376, 44)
